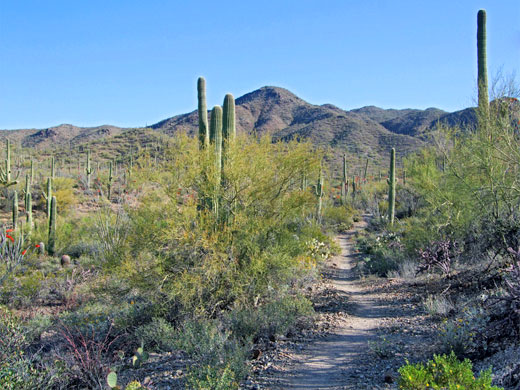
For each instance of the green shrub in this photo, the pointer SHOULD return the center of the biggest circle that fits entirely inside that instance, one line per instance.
(269, 319)
(338, 218)
(157, 335)
(383, 253)
(211, 378)
(461, 334)
(444, 372)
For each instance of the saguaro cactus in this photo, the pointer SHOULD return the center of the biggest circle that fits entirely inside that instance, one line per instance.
(229, 130)
(391, 188)
(27, 189)
(28, 211)
(483, 96)
(344, 185)
(110, 178)
(5, 173)
(15, 209)
(203, 113)
(48, 196)
(319, 194)
(216, 139)
(52, 228)
(304, 182)
(88, 169)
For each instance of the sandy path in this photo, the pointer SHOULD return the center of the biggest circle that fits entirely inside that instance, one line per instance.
(334, 361)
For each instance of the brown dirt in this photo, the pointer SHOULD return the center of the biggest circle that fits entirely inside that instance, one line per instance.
(358, 348)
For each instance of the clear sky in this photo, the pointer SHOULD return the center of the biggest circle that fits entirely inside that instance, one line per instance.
(135, 62)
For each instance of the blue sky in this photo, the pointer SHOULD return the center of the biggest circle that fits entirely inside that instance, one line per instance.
(134, 62)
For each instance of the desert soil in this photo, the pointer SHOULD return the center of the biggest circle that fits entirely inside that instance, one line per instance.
(365, 330)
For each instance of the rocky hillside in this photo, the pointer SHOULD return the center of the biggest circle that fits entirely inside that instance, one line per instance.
(366, 132)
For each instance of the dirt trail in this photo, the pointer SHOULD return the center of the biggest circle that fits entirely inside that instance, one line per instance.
(337, 361)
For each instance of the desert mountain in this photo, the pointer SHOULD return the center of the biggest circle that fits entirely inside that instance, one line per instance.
(366, 132)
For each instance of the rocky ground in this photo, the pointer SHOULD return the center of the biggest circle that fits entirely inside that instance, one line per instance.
(364, 331)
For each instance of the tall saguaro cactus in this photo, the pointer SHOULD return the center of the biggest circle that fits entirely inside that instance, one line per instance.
(391, 188)
(48, 196)
(319, 194)
(51, 244)
(344, 185)
(5, 173)
(27, 189)
(483, 95)
(216, 139)
(110, 178)
(28, 211)
(88, 169)
(203, 113)
(228, 121)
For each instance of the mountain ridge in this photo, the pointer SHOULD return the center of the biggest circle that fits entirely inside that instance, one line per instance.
(368, 131)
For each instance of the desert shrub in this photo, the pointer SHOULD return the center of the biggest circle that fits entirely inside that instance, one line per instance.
(382, 253)
(382, 347)
(64, 191)
(20, 369)
(158, 335)
(444, 372)
(438, 305)
(70, 230)
(463, 334)
(82, 248)
(338, 218)
(87, 353)
(273, 318)
(439, 255)
(410, 202)
(471, 196)
(111, 229)
(211, 378)
(211, 346)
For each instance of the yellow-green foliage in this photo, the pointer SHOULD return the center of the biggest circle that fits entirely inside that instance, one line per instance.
(472, 175)
(205, 262)
(444, 372)
(63, 190)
